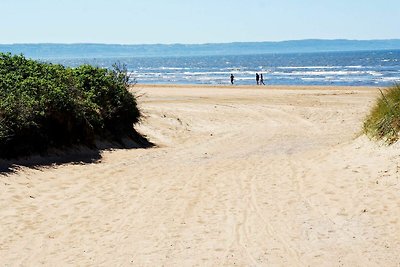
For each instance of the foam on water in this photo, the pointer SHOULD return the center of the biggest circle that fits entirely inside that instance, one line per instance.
(337, 68)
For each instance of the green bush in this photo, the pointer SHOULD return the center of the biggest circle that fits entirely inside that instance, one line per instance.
(46, 105)
(384, 120)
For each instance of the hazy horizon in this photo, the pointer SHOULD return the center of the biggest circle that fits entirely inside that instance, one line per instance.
(234, 42)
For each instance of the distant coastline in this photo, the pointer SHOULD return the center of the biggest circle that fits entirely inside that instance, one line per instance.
(92, 50)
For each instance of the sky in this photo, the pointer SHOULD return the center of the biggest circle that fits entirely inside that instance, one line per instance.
(195, 21)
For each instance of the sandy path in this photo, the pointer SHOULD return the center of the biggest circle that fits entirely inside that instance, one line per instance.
(244, 176)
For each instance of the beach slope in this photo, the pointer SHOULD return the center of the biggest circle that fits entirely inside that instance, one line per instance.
(246, 176)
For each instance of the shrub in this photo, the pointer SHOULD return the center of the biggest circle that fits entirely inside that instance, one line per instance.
(384, 120)
(46, 105)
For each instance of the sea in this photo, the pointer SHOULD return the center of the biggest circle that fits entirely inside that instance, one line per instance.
(363, 68)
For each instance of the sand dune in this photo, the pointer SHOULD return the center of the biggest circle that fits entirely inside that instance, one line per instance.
(244, 176)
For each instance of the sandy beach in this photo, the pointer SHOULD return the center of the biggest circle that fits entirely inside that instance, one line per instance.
(240, 176)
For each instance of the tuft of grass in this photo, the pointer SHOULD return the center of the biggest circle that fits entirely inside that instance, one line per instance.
(383, 123)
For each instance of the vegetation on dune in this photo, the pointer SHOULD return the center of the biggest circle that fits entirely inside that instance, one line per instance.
(383, 123)
(47, 105)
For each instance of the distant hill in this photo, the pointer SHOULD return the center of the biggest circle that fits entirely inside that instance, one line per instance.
(48, 51)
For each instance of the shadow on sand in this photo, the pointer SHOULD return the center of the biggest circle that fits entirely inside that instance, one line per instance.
(74, 155)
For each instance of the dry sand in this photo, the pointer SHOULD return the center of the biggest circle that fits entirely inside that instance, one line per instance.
(244, 176)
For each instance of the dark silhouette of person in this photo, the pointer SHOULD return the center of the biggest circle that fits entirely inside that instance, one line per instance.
(232, 78)
(257, 79)
(262, 79)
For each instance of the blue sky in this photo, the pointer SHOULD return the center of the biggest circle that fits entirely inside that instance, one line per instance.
(195, 21)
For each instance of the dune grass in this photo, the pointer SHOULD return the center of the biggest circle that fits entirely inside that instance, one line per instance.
(46, 106)
(383, 123)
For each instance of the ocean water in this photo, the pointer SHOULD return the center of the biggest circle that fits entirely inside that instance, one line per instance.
(366, 68)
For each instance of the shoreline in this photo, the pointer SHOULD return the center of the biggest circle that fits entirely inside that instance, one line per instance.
(262, 87)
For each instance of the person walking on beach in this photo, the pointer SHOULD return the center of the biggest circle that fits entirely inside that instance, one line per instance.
(232, 78)
(262, 79)
(257, 79)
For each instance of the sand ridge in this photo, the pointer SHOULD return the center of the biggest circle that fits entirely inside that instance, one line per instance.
(244, 176)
